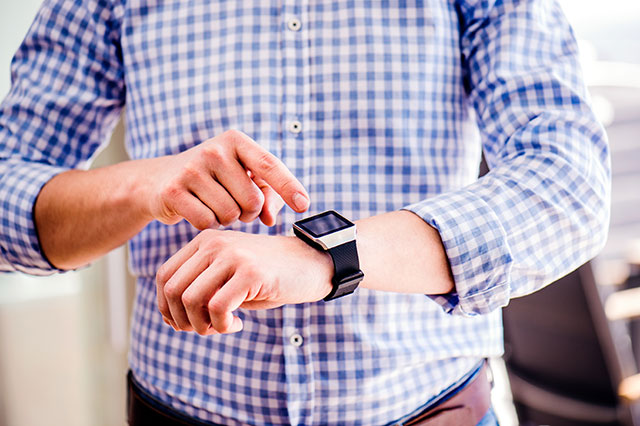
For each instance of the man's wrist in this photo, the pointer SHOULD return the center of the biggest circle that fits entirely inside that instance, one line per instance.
(137, 185)
(321, 261)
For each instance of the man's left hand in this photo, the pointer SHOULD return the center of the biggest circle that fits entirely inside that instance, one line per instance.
(201, 285)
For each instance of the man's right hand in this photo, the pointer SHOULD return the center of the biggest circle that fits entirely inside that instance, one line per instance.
(227, 178)
(82, 214)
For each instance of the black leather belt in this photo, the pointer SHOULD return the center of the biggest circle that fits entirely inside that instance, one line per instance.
(144, 410)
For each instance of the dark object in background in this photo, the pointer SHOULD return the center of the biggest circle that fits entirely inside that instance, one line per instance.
(563, 365)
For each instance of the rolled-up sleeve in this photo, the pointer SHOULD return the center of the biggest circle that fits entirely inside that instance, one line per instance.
(66, 95)
(543, 209)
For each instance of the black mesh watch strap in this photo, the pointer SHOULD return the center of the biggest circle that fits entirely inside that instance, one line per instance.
(347, 275)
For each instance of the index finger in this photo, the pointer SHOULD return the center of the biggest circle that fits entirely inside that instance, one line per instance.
(268, 167)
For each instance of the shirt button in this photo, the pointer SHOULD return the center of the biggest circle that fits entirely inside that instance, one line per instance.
(296, 340)
(295, 127)
(294, 24)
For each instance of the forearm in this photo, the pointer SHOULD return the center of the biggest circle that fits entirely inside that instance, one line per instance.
(225, 270)
(400, 252)
(82, 215)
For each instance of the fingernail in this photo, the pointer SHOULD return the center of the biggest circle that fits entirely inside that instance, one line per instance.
(300, 201)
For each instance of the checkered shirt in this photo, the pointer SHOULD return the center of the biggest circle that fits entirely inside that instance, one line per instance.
(394, 102)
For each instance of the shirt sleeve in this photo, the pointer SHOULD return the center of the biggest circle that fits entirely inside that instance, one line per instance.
(66, 95)
(543, 209)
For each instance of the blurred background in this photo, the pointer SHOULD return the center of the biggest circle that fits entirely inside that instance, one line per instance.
(63, 339)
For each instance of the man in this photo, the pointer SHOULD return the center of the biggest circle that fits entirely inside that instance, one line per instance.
(362, 108)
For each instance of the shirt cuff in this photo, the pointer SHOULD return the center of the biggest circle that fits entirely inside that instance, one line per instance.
(20, 184)
(476, 246)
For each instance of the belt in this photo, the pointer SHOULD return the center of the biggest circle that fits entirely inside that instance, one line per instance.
(144, 410)
(465, 408)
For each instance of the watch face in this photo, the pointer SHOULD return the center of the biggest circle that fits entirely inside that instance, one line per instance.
(323, 224)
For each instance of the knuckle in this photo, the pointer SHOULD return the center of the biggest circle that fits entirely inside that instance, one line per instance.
(203, 221)
(234, 135)
(253, 202)
(211, 246)
(206, 238)
(216, 308)
(214, 152)
(170, 192)
(189, 300)
(229, 215)
(210, 240)
(267, 162)
(162, 276)
(239, 255)
(190, 171)
(288, 186)
(171, 291)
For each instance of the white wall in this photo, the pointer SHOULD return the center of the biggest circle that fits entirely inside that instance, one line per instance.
(15, 19)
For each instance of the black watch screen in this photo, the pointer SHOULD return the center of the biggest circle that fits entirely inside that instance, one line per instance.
(323, 224)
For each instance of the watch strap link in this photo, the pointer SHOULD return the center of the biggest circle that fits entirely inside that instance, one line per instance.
(347, 274)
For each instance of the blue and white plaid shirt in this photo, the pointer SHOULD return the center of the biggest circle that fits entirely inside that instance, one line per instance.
(389, 97)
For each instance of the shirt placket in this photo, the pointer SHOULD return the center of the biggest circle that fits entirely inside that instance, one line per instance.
(296, 128)
(295, 56)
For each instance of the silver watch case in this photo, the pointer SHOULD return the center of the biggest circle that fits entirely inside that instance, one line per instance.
(332, 240)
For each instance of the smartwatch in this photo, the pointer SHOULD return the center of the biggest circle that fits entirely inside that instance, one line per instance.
(331, 232)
